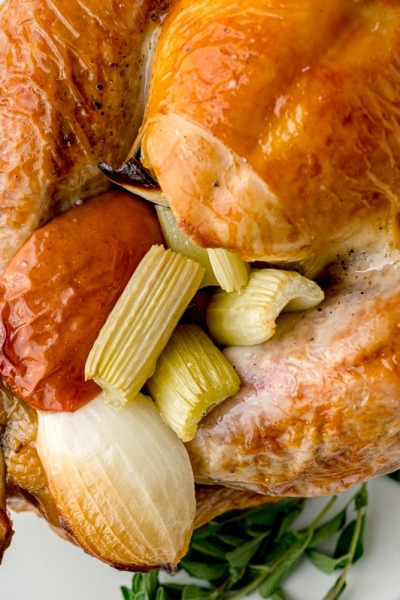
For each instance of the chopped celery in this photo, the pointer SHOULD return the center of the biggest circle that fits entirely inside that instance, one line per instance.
(178, 242)
(231, 271)
(248, 318)
(223, 268)
(135, 333)
(191, 377)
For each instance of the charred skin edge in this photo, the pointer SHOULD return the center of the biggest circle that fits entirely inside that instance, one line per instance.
(160, 9)
(131, 173)
(167, 568)
(6, 532)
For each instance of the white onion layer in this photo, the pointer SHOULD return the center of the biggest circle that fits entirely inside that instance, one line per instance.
(122, 482)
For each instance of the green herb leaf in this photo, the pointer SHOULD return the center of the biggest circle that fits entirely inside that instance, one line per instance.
(254, 532)
(207, 531)
(281, 569)
(194, 592)
(231, 540)
(326, 563)
(126, 593)
(236, 574)
(345, 540)
(173, 591)
(270, 513)
(161, 594)
(144, 586)
(209, 548)
(256, 570)
(361, 498)
(149, 583)
(328, 529)
(278, 595)
(206, 571)
(241, 556)
(289, 519)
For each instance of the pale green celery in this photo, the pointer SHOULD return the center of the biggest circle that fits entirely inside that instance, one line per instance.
(248, 318)
(191, 377)
(231, 272)
(138, 328)
(178, 242)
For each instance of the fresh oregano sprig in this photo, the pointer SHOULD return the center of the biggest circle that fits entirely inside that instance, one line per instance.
(242, 551)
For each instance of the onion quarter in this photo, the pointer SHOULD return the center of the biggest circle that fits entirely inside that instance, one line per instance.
(122, 483)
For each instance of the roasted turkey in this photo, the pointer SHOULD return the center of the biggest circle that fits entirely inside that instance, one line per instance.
(72, 83)
(272, 129)
(293, 108)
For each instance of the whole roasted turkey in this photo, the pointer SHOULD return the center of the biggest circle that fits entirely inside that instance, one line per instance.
(273, 129)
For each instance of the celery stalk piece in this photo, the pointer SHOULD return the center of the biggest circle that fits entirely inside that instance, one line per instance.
(191, 377)
(178, 242)
(231, 272)
(137, 329)
(248, 318)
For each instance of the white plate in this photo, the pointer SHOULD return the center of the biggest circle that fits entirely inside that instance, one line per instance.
(40, 566)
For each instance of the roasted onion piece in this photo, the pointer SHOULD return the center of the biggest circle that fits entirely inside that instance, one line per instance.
(122, 483)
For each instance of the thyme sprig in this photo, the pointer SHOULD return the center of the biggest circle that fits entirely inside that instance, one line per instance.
(257, 549)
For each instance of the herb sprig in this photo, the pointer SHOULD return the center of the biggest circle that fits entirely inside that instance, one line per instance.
(242, 551)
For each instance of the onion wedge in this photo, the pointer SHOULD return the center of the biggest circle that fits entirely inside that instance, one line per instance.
(122, 483)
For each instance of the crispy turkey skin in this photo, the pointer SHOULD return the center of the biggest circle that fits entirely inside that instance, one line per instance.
(273, 127)
(71, 95)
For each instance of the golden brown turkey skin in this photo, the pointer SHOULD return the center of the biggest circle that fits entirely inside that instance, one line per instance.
(273, 127)
(70, 96)
(319, 406)
(25, 476)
